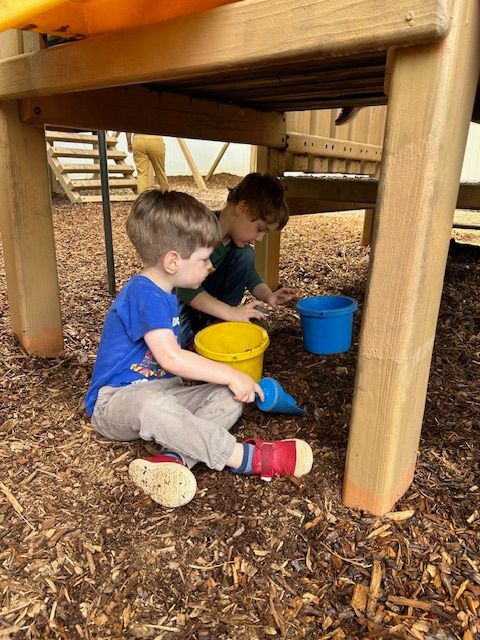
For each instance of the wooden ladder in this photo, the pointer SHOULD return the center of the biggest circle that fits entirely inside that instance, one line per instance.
(68, 161)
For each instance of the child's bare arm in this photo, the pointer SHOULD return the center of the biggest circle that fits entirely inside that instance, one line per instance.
(167, 352)
(206, 303)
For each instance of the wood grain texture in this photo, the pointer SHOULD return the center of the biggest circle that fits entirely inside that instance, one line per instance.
(431, 96)
(243, 35)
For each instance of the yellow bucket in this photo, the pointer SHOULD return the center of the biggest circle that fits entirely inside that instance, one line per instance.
(239, 344)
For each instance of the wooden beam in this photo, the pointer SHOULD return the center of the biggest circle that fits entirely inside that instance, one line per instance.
(147, 110)
(313, 194)
(216, 162)
(299, 143)
(197, 176)
(245, 34)
(431, 96)
(27, 232)
(469, 196)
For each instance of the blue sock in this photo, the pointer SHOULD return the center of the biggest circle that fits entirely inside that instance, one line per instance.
(172, 454)
(246, 466)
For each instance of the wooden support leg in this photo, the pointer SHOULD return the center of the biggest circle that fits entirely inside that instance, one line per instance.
(197, 176)
(267, 258)
(267, 252)
(26, 224)
(367, 227)
(217, 160)
(431, 97)
(27, 233)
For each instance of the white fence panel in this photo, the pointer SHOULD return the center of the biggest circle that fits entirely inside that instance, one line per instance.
(235, 161)
(471, 162)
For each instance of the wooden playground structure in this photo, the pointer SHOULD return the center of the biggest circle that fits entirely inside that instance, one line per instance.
(66, 162)
(420, 58)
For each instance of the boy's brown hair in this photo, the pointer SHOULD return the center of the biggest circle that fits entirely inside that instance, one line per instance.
(163, 221)
(265, 196)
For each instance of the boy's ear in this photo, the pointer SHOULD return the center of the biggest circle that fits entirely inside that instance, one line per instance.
(171, 260)
(243, 208)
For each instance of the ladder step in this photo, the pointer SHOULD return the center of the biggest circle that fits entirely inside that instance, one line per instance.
(112, 182)
(71, 152)
(95, 168)
(64, 136)
(120, 174)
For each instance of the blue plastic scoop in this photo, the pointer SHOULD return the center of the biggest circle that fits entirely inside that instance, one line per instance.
(276, 399)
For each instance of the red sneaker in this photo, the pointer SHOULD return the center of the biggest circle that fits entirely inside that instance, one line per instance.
(165, 478)
(280, 458)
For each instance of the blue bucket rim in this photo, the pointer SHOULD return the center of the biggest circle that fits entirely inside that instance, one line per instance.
(303, 310)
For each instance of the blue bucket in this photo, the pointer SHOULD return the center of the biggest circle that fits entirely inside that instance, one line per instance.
(327, 323)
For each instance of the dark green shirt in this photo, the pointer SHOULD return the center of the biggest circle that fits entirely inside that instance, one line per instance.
(218, 256)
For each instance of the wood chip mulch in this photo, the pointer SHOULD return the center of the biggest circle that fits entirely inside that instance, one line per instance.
(84, 554)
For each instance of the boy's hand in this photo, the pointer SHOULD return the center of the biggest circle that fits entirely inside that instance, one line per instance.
(246, 312)
(244, 387)
(281, 296)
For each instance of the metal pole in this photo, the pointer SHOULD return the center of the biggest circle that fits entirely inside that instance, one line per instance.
(107, 220)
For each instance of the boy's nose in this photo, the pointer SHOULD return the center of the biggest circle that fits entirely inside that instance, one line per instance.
(260, 236)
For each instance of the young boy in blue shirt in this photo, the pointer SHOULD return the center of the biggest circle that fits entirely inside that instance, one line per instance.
(255, 207)
(137, 389)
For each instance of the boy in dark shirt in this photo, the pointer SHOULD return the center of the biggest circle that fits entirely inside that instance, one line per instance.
(256, 206)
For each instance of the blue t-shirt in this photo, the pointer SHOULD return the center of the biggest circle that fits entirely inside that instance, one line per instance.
(123, 355)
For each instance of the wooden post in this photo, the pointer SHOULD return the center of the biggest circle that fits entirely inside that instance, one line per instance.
(267, 252)
(253, 159)
(197, 176)
(431, 98)
(27, 230)
(216, 162)
(368, 219)
(367, 227)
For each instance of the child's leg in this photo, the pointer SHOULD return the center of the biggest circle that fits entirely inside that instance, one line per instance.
(193, 421)
(214, 404)
(210, 402)
(155, 411)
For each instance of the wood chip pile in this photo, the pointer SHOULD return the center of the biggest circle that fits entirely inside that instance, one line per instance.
(85, 555)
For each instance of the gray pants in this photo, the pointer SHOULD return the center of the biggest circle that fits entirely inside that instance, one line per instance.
(192, 420)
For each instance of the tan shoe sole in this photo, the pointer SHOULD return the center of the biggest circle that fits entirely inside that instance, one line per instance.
(304, 460)
(168, 483)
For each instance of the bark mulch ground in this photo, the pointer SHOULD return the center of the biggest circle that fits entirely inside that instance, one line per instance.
(84, 554)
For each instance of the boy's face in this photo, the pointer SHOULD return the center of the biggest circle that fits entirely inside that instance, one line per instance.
(192, 272)
(245, 231)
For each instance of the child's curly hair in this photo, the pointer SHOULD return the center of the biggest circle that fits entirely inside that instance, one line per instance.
(265, 196)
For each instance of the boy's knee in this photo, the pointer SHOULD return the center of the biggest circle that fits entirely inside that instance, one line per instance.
(233, 407)
(221, 401)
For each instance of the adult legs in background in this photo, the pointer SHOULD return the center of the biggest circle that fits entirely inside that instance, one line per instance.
(148, 149)
(156, 154)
